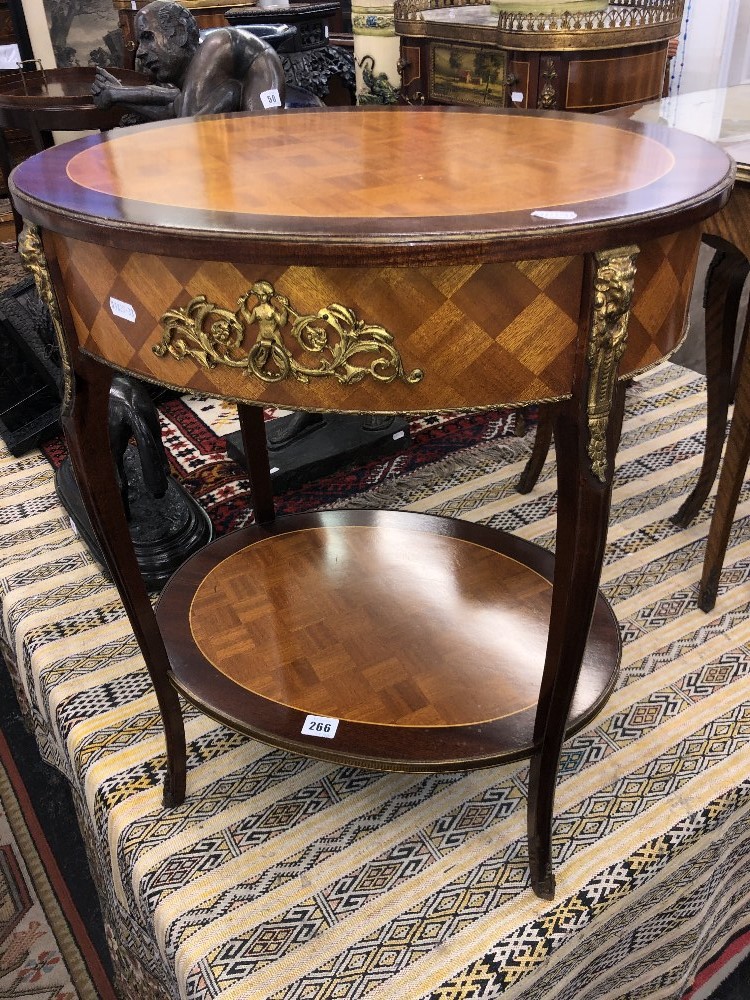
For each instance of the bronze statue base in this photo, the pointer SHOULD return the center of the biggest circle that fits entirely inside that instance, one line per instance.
(165, 530)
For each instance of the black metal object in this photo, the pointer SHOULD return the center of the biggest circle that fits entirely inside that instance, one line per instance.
(166, 524)
(30, 370)
(326, 443)
(165, 530)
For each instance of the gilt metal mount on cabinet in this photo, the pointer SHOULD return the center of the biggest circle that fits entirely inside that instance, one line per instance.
(478, 53)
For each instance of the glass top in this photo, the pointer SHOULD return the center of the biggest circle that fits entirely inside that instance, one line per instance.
(721, 115)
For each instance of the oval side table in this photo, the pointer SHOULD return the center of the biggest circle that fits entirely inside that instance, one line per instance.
(387, 266)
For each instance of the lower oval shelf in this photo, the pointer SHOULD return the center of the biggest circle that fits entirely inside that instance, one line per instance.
(422, 638)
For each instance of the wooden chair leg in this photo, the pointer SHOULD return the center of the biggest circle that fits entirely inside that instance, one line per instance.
(730, 485)
(724, 284)
(530, 475)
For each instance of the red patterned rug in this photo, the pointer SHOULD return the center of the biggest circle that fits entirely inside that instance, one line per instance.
(199, 460)
(45, 949)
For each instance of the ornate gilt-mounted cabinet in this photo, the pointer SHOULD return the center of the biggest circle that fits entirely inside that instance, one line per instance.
(472, 53)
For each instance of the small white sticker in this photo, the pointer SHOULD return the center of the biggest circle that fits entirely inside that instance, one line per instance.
(398, 434)
(270, 98)
(561, 216)
(516, 96)
(274, 469)
(319, 725)
(122, 309)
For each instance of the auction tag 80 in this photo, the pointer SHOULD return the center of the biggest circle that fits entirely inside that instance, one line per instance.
(320, 725)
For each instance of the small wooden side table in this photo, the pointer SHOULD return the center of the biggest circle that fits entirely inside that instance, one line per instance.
(721, 115)
(459, 52)
(387, 266)
(41, 102)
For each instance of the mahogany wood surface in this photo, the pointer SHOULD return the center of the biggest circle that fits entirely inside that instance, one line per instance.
(728, 232)
(424, 636)
(607, 79)
(405, 209)
(391, 184)
(730, 483)
(475, 348)
(723, 292)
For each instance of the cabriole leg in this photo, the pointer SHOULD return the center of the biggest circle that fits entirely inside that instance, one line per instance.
(724, 284)
(84, 417)
(587, 432)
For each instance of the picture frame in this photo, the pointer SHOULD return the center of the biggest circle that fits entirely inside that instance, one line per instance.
(71, 32)
(467, 74)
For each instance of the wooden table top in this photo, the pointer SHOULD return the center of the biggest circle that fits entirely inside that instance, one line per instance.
(380, 181)
(57, 88)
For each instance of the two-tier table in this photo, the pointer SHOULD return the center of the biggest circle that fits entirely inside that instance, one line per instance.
(375, 260)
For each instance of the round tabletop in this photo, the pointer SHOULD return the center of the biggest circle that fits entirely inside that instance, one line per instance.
(381, 181)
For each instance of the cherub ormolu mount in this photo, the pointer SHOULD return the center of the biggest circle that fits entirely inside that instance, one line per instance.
(333, 338)
(331, 343)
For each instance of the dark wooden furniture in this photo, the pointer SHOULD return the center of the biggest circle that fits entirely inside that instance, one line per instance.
(41, 102)
(13, 31)
(214, 16)
(723, 116)
(309, 61)
(730, 483)
(469, 53)
(402, 275)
